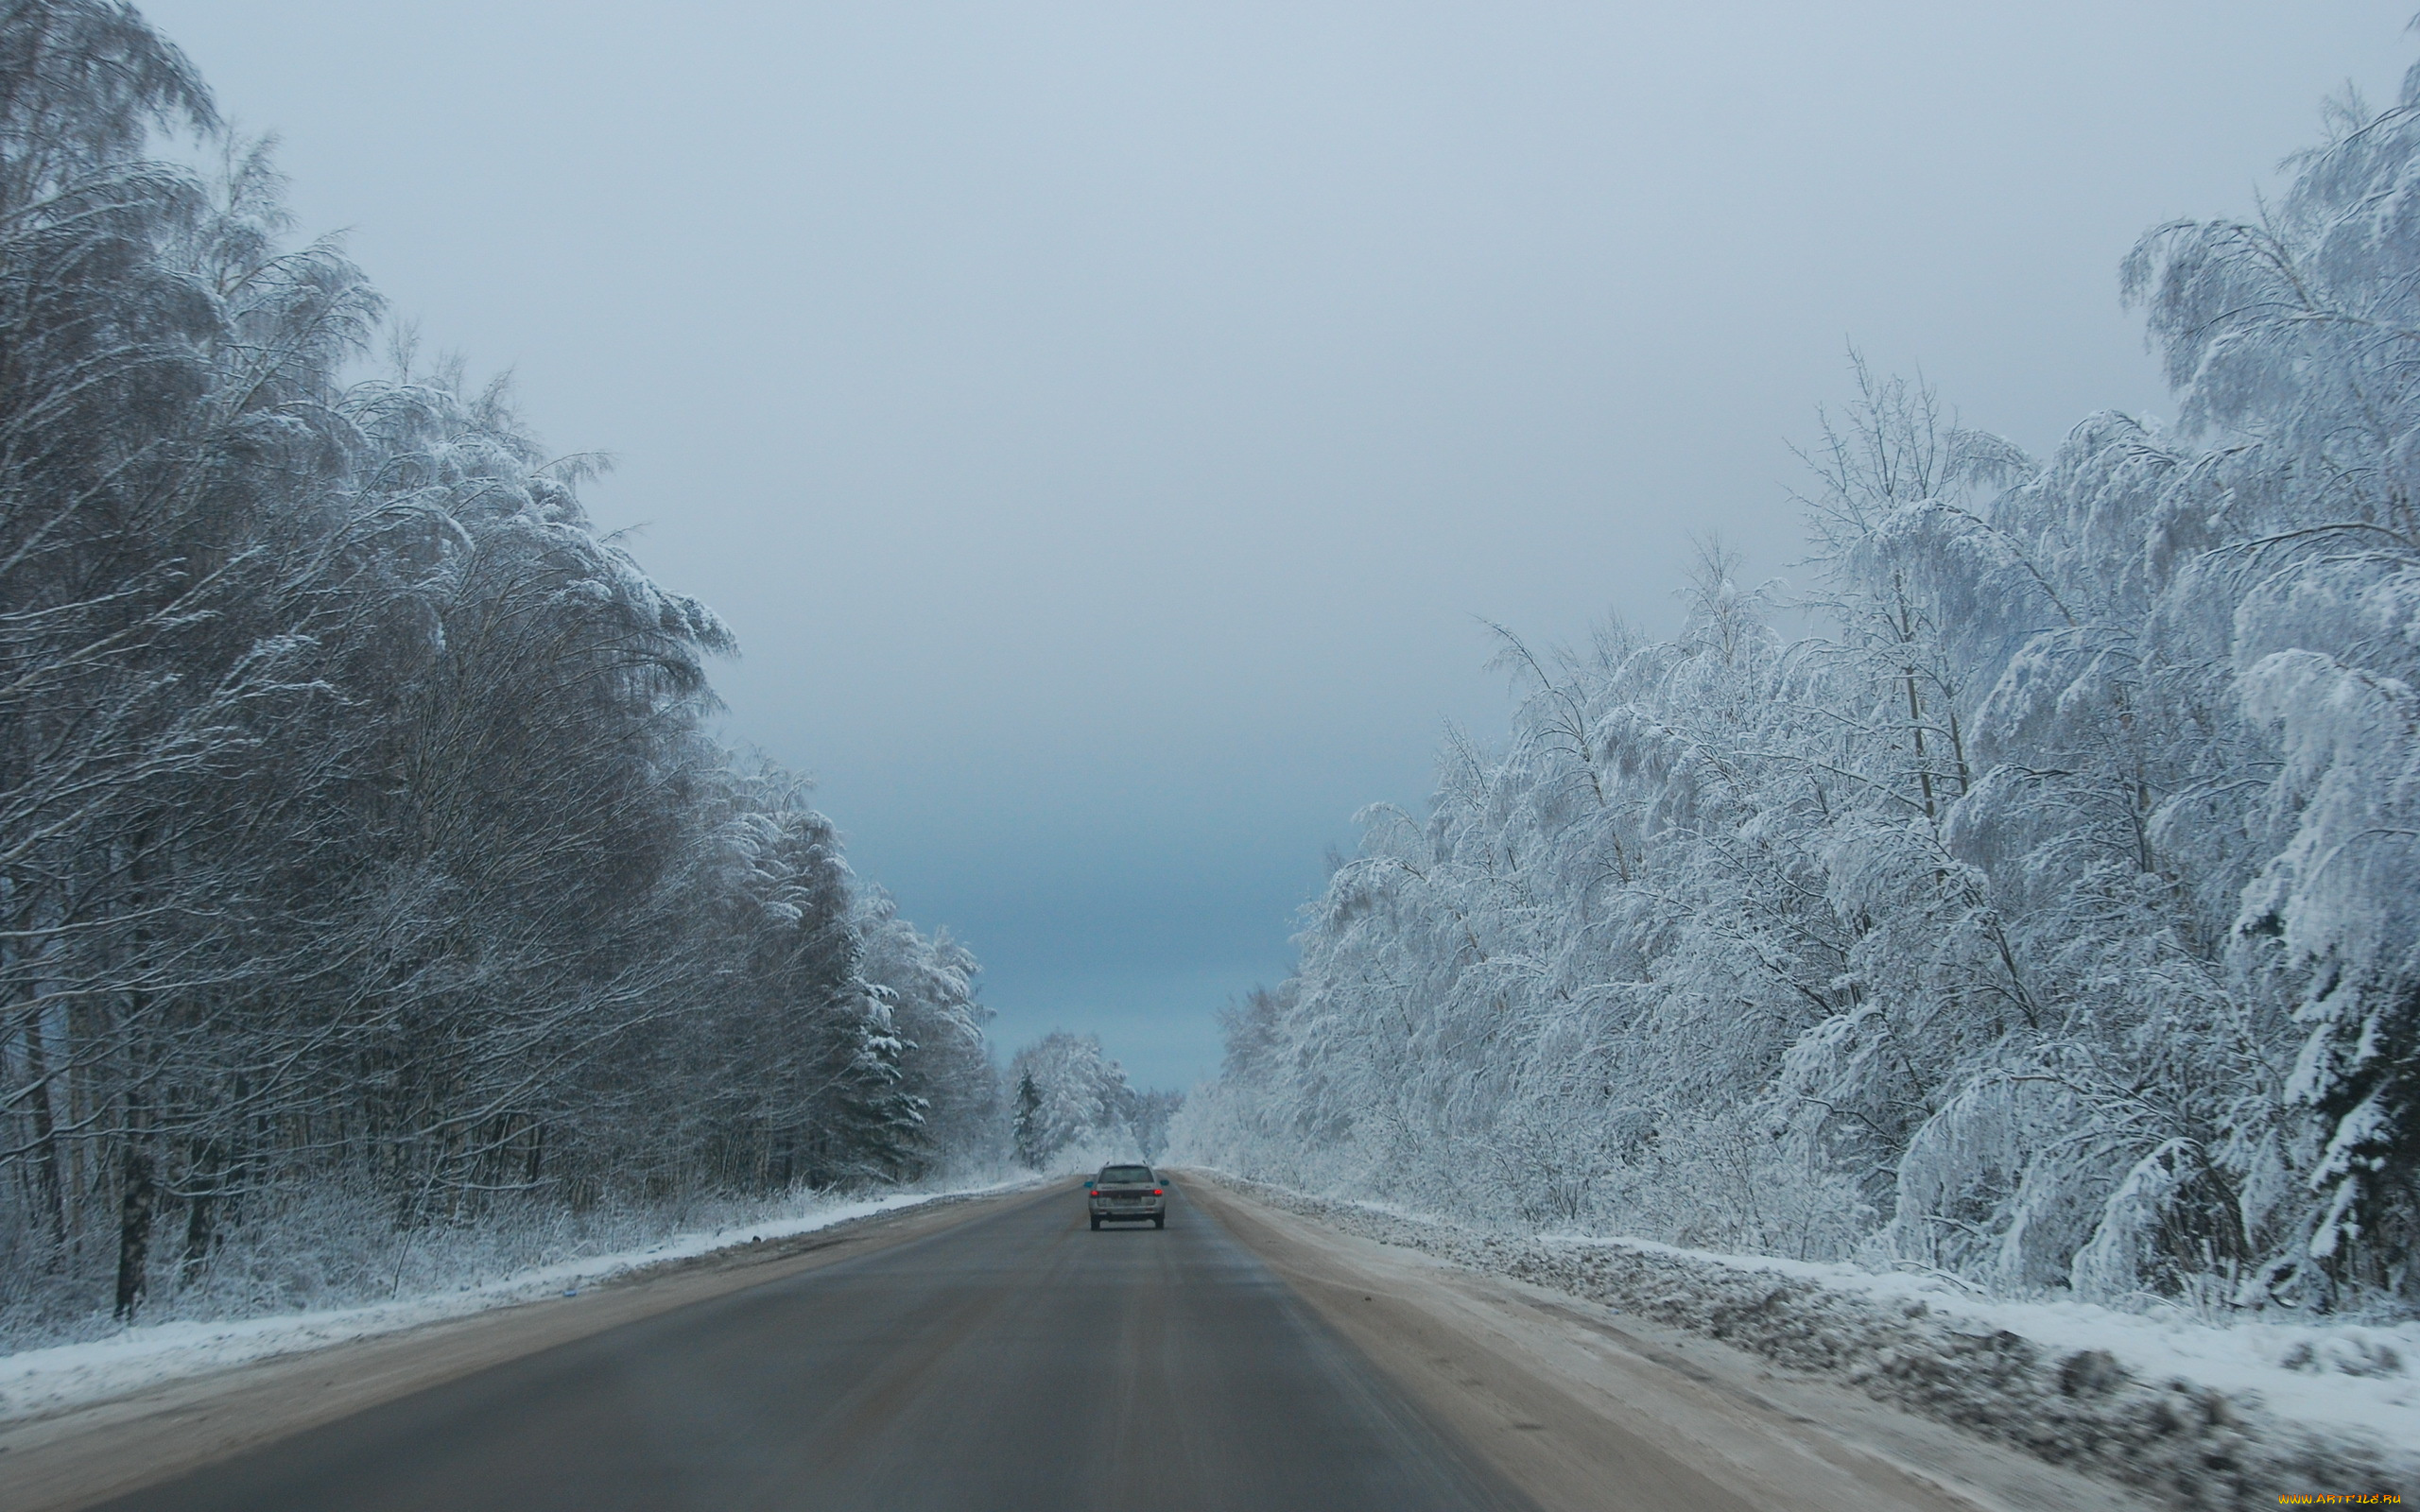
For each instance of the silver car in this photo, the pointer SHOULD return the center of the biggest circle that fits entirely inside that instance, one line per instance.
(1123, 1193)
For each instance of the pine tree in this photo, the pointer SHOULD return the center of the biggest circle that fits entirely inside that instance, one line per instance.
(1027, 1131)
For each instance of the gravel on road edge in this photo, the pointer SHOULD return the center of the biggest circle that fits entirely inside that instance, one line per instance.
(2188, 1445)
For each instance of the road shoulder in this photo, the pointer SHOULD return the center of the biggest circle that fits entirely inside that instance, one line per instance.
(1572, 1401)
(89, 1454)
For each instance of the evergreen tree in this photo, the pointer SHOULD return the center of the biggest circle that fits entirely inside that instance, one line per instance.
(1027, 1130)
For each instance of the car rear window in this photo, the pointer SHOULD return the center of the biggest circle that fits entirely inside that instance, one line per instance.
(1126, 1173)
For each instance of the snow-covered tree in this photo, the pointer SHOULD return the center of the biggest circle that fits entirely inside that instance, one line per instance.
(1073, 1104)
(2051, 916)
(363, 849)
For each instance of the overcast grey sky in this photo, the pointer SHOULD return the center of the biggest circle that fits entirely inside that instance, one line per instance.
(1106, 424)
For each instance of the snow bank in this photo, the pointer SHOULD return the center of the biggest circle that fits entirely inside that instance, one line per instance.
(34, 1382)
(2199, 1413)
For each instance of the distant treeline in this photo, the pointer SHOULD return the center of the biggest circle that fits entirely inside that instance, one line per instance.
(1070, 1104)
(362, 846)
(2050, 917)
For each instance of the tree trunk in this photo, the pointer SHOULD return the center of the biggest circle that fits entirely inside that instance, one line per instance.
(134, 1230)
(201, 1212)
(47, 1177)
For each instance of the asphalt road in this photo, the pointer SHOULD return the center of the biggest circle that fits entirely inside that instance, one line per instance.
(1016, 1360)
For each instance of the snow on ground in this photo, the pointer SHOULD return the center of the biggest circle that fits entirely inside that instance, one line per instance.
(2200, 1414)
(2344, 1375)
(37, 1381)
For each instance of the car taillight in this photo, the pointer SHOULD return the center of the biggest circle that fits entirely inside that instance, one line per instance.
(1156, 1192)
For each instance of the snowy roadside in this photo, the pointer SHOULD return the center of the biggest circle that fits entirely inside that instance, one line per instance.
(36, 1382)
(2197, 1414)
